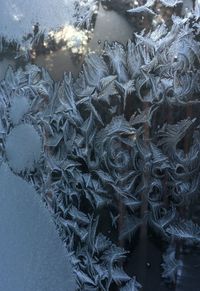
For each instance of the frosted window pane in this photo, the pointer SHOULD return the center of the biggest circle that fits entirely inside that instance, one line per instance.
(32, 256)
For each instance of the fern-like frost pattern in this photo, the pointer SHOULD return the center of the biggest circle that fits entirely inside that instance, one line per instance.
(102, 144)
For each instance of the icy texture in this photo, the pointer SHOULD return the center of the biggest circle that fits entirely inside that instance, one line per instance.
(19, 107)
(115, 136)
(23, 148)
(32, 255)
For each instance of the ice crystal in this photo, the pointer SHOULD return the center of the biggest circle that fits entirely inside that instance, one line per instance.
(108, 142)
(170, 265)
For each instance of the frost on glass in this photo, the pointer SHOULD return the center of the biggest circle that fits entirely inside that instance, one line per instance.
(23, 148)
(120, 152)
(19, 106)
(32, 255)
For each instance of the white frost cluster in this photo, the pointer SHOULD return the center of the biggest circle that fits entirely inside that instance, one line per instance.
(19, 106)
(23, 148)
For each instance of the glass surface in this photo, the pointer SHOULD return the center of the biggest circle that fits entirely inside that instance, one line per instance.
(99, 141)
